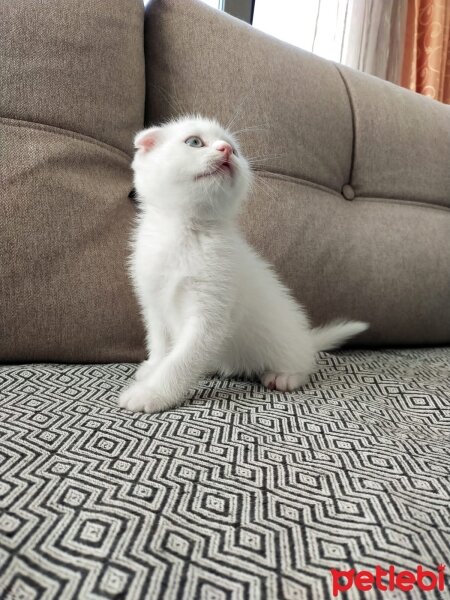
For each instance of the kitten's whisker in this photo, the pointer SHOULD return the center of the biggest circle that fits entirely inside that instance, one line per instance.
(166, 97)
(266, 189)
(260, 156)
(194, 103)
(262, 159)
(238, 111)
(181, 108)
(251, 128)
(171, 96)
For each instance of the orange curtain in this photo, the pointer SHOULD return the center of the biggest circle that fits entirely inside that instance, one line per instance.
(426, 58)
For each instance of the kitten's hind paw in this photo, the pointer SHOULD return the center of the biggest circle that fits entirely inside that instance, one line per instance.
(283, 382)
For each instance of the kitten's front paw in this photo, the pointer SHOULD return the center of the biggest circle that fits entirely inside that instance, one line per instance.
(139, 397)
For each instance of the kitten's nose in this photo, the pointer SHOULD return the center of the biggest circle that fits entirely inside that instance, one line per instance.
(225, 148)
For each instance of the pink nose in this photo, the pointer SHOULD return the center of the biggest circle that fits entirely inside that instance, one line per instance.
(225, 148)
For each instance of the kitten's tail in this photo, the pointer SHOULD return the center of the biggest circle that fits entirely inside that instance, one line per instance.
(336, 333)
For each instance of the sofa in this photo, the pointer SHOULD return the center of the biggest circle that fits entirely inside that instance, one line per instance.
(241, 492)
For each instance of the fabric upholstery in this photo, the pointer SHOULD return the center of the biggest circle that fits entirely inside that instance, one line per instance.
(75, 65)
(401, 143)
(241, 493)
(72, 97)
(372, 258)
(352, 194)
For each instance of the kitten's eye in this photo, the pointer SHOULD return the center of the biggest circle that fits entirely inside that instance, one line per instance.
(194, 142)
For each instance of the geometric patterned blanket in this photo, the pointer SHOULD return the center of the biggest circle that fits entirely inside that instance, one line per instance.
(240, 494)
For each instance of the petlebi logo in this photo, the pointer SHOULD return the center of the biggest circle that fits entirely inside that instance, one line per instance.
(387, 579)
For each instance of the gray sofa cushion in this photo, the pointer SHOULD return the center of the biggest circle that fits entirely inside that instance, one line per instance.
(239, 494)
(71, 100)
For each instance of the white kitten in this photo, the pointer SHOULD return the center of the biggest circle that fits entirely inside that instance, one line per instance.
(209, 302)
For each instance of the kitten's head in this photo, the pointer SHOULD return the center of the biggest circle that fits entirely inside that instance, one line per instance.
(193, 165)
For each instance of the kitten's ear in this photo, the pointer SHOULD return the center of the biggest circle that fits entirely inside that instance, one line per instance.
(147, 139)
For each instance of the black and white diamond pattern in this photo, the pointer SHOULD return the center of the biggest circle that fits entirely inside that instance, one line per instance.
(241, 493)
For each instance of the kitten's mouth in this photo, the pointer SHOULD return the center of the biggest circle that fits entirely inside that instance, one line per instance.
(224, 168)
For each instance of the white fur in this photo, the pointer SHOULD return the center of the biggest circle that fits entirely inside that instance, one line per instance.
(210, 304)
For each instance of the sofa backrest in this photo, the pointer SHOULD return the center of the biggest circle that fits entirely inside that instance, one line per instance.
(72, 97)
(352, 195)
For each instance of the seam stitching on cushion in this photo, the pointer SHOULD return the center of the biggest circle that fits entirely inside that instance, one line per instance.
(403, 201)
(375, 196)
(352, 111)
(312, 184)
(370, 198)
(64, 132)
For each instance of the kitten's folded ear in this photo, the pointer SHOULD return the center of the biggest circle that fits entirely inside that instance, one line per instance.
(146, 140)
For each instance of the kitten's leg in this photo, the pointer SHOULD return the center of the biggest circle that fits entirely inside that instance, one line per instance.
(290, 372)
(181, 369)
(283, 382)
(157, 348)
